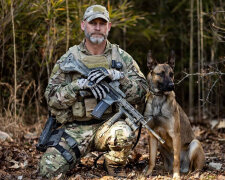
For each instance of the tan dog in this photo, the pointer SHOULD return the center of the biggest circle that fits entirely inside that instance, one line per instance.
(182, 152)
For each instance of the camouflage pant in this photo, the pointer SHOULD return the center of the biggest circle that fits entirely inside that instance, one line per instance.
(116, 140)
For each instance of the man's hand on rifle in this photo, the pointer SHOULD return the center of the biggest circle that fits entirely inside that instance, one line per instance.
(98, 90)
(99, 74)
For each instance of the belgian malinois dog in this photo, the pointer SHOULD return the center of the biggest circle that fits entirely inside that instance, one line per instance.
(182, 152)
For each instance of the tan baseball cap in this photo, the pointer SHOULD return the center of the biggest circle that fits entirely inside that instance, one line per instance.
(96, 11)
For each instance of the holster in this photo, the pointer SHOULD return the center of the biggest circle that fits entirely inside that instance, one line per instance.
(54, 142)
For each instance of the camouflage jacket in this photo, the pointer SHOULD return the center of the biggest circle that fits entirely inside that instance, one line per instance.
(62, 93)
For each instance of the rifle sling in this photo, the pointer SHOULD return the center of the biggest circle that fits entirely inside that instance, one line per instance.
(139, 131)
(138, 136)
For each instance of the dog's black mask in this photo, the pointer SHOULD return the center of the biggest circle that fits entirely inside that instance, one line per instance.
(166, 86)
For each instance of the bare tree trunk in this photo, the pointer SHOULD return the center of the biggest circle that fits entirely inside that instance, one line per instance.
(191, 61)
(3, 37)
(183, 97)
(37, 98)
(124, 31)
(199, 65)
(212, 60)
(14, 52)
(3, 53)
(48, 40)
(67, 26)
(54, 42)
(202, 55)
(218, 103)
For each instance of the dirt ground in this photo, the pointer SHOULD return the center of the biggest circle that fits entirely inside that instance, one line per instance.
(19, 159)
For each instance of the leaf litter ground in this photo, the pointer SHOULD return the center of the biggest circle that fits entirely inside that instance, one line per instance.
(19, 159)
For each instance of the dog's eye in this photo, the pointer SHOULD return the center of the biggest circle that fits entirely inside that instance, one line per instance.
(161, 74)
(171, 74)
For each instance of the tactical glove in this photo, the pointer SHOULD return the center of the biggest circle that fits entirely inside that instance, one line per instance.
(98, 90)
(99, 74)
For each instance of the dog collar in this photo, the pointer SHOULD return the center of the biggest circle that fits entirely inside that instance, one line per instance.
(155, 93)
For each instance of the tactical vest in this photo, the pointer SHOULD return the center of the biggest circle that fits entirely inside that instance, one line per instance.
(81, 110)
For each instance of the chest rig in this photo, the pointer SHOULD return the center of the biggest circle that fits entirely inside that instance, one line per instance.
(82, 108)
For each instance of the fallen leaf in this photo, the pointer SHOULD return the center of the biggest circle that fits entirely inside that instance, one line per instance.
(221, 177)
(30, 135)
(107, 178)
(16, 164)
(197, 131)
(216, 166)
(5, 137)
(78, 177)
(23, 165)
(221, 124)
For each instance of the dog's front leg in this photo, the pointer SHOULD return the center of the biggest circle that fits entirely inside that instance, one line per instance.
(152, 155)
(176, 161)
(176, 139)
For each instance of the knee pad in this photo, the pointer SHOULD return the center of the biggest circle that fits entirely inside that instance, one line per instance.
(121, 135)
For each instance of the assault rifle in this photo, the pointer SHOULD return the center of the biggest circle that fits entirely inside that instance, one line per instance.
(115, 95)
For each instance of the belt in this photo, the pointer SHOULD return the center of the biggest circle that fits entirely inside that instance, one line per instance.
(90, 122)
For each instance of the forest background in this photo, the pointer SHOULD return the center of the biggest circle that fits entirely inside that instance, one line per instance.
(35, 33)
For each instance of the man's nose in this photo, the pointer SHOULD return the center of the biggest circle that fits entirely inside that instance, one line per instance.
(97, 26)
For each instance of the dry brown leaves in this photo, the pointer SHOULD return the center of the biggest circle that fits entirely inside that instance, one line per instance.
(19, 159)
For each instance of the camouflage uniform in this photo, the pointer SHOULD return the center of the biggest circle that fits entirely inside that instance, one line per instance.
(64, 101)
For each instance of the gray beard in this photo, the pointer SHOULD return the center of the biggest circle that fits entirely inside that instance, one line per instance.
(95, 40)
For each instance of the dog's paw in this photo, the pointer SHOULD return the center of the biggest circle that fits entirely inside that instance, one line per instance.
(176, 176)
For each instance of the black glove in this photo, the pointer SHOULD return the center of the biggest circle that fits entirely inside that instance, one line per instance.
(98, 90)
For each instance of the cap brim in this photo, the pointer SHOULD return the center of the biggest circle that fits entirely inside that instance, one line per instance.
(97, 16)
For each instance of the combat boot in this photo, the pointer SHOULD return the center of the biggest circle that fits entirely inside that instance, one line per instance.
(114, 170)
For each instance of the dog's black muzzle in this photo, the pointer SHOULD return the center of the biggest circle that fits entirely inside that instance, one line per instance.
(170, 86)
(166, 86)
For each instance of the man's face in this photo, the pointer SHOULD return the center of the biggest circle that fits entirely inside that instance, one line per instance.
(96, 31)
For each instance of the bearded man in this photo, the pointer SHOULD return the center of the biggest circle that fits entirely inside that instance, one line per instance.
(72, 109)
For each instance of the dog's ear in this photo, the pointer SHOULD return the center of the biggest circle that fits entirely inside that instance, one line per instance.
(151, 63)
(171, 59)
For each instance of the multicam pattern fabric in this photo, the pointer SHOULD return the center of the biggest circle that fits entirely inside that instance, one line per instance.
(116, 140)
(62, 93)
(96, 11)
(62, 90)
(52, 163)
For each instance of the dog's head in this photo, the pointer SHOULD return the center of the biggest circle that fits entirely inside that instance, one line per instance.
(161, 76)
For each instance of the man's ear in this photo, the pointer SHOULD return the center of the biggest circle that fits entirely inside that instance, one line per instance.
(82, 25)
(109, 26)
(171, 59)
(151, 63)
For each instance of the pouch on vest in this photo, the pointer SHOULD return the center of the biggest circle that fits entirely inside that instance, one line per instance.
(95, 61)
(90, 104)
(78, 109)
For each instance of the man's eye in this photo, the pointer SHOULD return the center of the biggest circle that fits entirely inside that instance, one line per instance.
(103, 23)
(92, 23)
